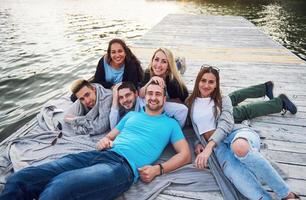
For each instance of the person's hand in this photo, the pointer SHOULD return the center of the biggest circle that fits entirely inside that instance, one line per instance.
(115, 95)
(202, 158)
(104, 143)
(158, 80)
(115, 88)
(69, 118)
(148, 173)
(198, 149)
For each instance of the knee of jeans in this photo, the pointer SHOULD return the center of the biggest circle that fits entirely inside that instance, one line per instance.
(54, 189)
(240, 147)
(16, 183)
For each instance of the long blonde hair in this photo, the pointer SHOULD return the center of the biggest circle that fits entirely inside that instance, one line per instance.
(172, 71)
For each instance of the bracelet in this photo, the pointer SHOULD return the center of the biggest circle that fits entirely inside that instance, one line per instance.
(161, 169)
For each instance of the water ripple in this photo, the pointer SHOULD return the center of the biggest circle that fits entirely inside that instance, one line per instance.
(47, 44)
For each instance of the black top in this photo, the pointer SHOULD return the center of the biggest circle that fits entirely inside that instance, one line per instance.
(132, 72)
(173, 88)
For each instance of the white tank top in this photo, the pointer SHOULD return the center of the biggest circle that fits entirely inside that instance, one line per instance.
(203, 114)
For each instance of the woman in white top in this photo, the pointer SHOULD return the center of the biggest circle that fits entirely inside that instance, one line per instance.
(236, 147)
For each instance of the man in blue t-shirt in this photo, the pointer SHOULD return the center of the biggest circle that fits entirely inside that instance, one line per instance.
(125, 154)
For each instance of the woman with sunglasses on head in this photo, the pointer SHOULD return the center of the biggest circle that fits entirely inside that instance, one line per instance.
(236, 146)
(163, 70)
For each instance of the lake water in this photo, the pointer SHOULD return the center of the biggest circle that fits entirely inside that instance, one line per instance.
(44, 45)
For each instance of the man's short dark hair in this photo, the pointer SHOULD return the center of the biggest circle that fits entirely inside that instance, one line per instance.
(78, 84)
(156, 83)
(128, 85)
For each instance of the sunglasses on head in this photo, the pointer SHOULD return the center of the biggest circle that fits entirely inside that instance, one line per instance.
(210, 67)
(60, 134)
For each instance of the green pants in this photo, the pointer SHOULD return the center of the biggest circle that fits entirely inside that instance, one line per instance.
(254, 109)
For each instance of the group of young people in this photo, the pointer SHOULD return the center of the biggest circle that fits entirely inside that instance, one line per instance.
(148, 111)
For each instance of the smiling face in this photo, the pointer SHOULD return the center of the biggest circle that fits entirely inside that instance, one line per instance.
(155, 98)
(160, 64)
(207, 84)
(127, 98)
(87, 96)
(117, 55)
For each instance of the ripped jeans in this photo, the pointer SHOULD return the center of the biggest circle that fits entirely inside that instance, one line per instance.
(247, 172)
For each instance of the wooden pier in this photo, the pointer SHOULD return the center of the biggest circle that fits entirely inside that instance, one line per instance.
(245, 56)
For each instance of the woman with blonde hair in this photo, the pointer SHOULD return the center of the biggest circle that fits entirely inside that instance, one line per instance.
(162, 69)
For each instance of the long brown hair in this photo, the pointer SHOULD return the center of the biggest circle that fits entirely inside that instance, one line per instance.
(216, 94)
(129, 56)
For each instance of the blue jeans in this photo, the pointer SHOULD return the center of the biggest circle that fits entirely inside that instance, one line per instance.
(247, 172)
(86, 175)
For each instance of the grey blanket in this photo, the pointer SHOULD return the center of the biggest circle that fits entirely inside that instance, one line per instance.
(39, 145)
(36, 148)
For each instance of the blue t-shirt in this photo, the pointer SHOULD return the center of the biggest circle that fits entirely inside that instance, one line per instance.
(143, 138)
(112, 75)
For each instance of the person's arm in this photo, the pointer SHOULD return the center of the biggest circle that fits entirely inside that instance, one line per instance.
(107, 141)
(114, 112)
(114, 117)
(157, 79)
(202, 157)
(225, 122)
(177, 111)
(182, 157)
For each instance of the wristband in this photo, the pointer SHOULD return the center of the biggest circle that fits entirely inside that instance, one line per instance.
(161, 169)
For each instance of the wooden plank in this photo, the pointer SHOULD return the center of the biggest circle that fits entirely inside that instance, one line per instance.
(246, 56)
(285, 157)
(232, 54)
(286, 146)
(286, 119)
(297, 186)
(294, 171)
(282, 134)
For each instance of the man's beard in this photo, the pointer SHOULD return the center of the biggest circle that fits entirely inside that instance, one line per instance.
(130, 109)
(155, 107)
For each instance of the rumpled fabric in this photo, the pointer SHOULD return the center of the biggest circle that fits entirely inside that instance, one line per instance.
(38, 145)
